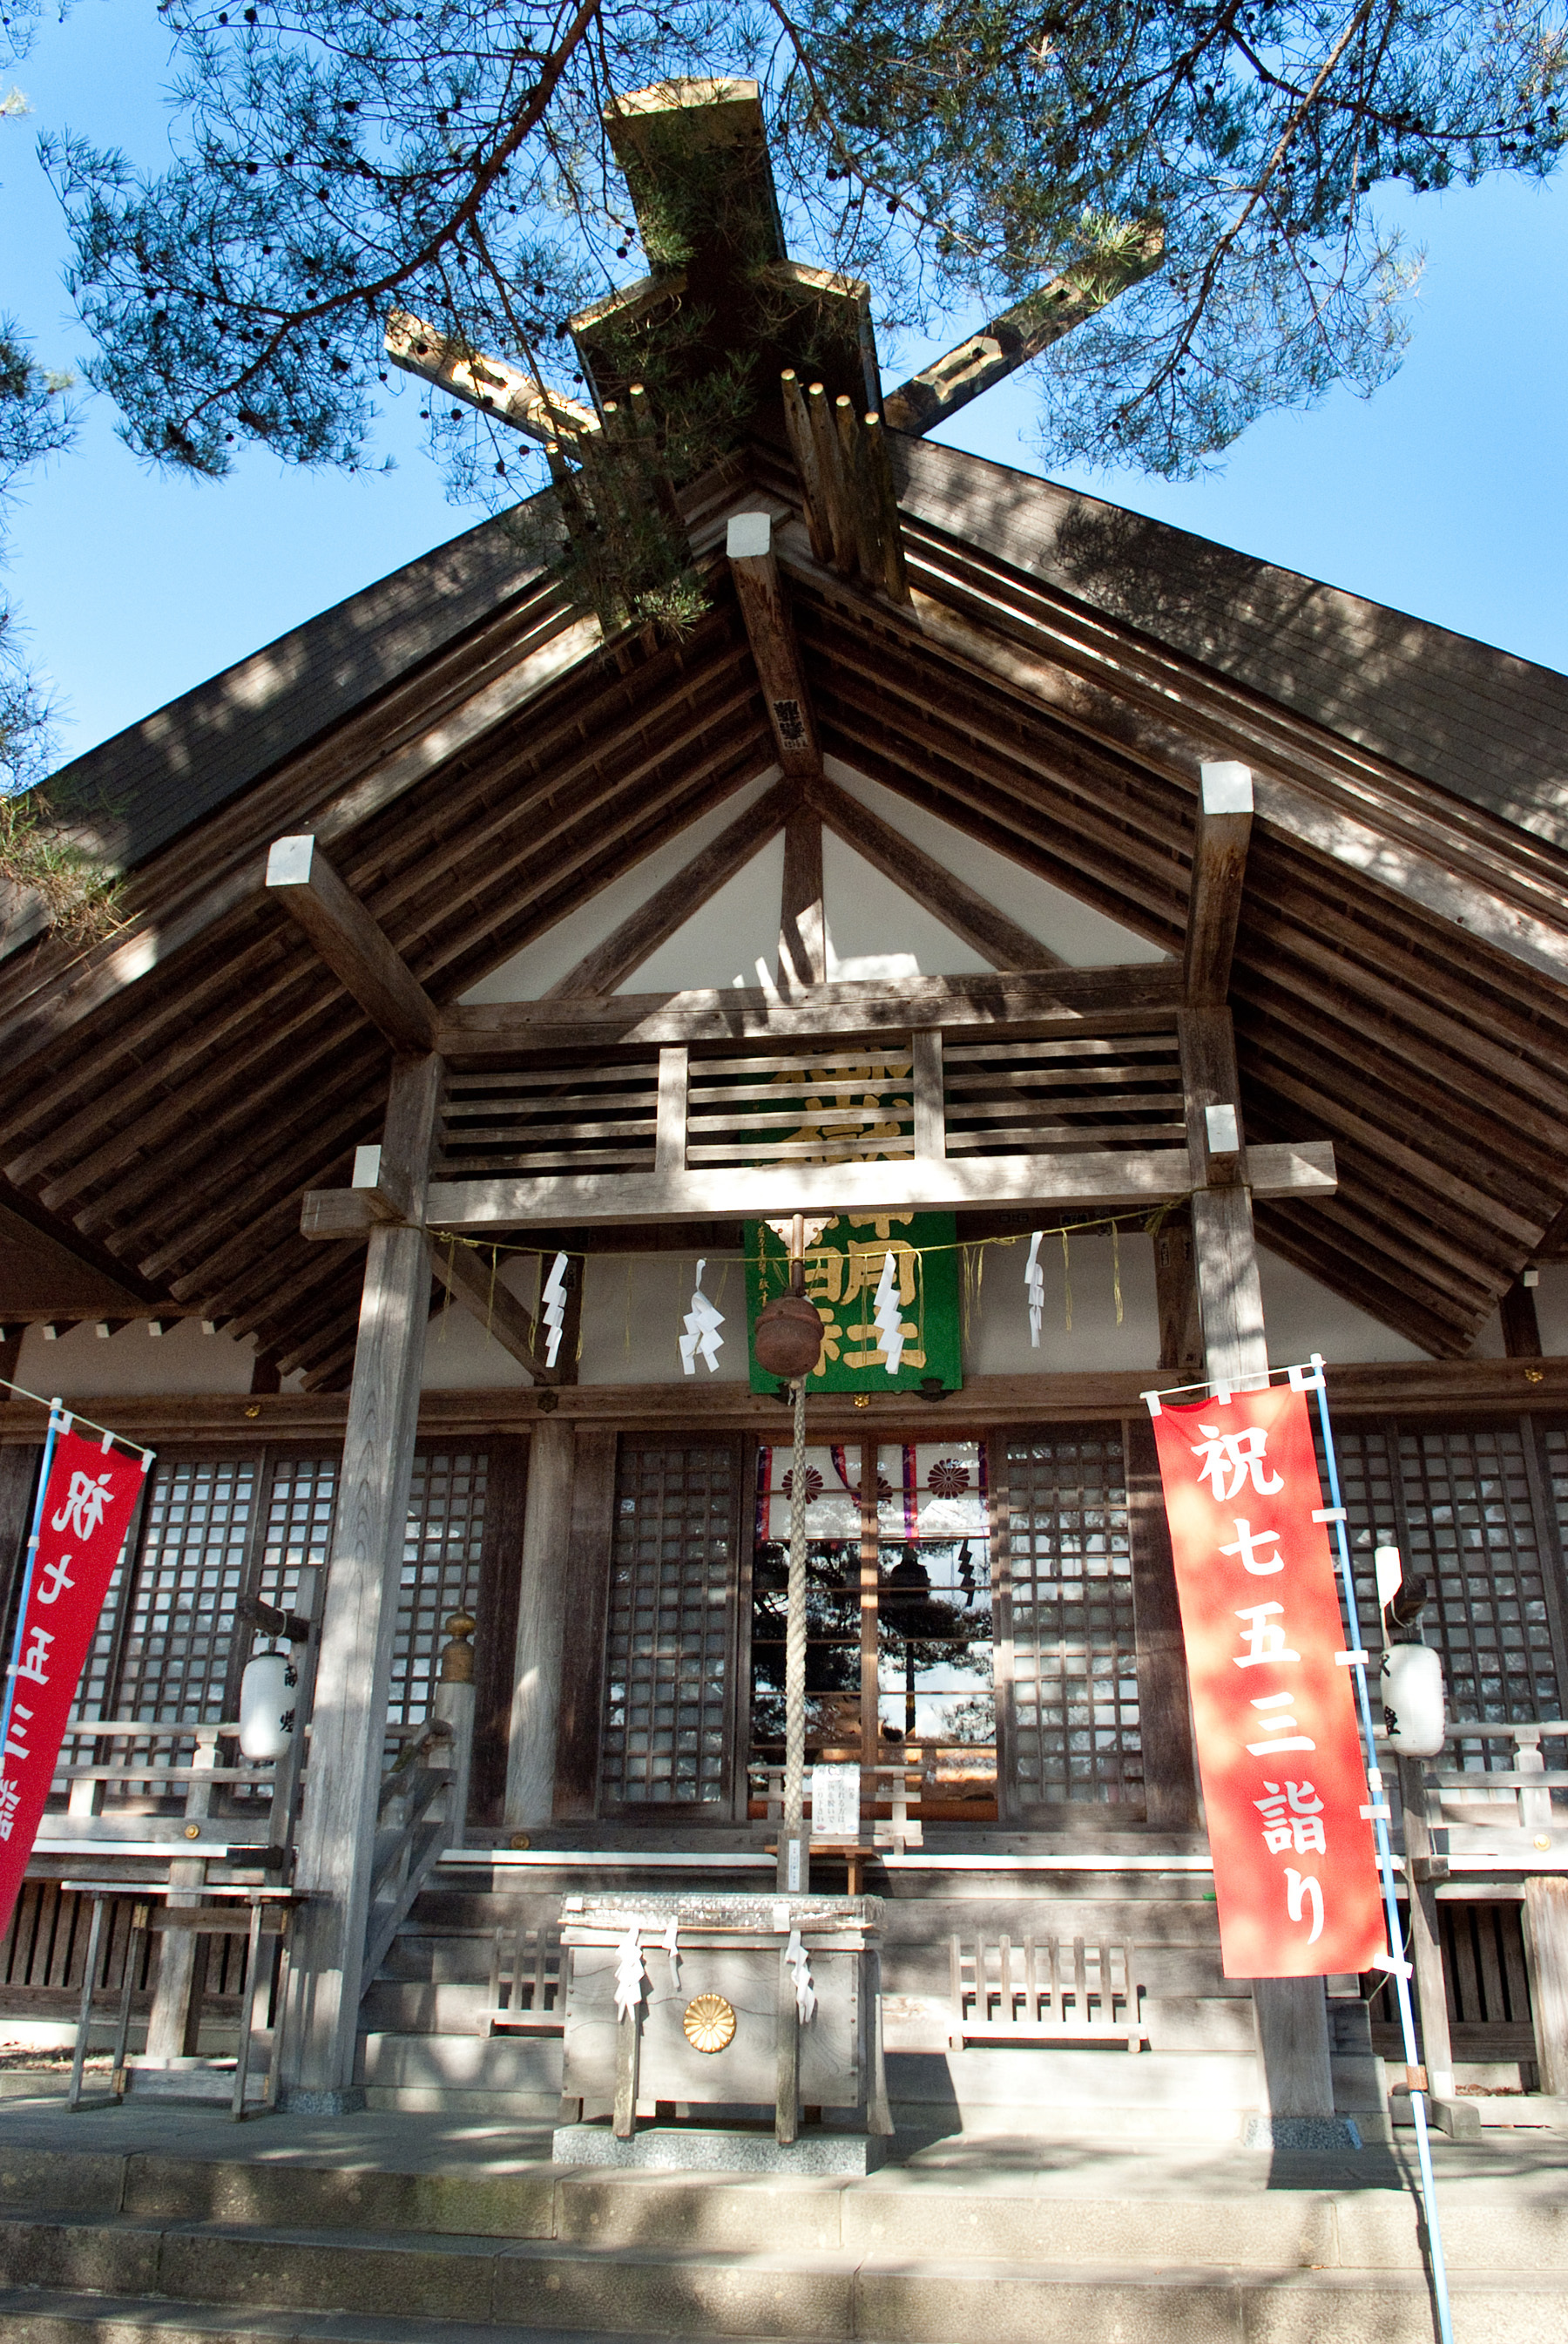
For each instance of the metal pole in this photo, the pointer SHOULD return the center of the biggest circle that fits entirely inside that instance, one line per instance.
(58, 1423)
(1399, 1968)
(794, 1864)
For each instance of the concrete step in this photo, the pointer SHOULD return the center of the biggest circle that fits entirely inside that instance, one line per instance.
(293, 2283)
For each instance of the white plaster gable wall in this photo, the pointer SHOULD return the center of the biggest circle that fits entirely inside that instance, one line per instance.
(875, 930)
(1301, 1316)
(84, 1365)
(730, 940)
(1083, 937)
(532, 971)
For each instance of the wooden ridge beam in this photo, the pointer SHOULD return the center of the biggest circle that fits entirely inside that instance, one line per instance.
(348, 940)
(643, 931)
(770, 630)
(978, 924)
(495, 1306)
(1112, 1180)
(1218, 874)
(1125, 1000)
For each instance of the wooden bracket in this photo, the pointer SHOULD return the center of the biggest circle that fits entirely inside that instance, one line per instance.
(477, 1286)
(387, 1193)
(350, 942)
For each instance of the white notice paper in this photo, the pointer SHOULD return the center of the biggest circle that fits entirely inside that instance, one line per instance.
(835, 1802)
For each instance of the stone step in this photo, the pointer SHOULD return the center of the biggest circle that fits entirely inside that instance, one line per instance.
(57, 2316)
(187, 2274)
(95, 2217)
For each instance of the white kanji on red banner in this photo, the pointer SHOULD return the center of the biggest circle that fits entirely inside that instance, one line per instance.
(1284, 1779)
(86, 1511)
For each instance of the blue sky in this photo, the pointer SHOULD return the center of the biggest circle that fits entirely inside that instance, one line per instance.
(1446, 495)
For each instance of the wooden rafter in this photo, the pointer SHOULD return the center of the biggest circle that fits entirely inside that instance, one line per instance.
(350, 942)
(1219, 871)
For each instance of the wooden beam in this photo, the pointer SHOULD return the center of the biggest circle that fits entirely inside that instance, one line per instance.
(502, 392)
(1219, 871)
(802, 915)
(959, 906)
(1111, 1179)
(350, 942)
(475, 1285)
(1020, 334)
(1128, 999)
(642, 932)
(770, 632)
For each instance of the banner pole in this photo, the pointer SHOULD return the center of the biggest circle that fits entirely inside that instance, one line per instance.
(1399, 1968)
(59, 1421)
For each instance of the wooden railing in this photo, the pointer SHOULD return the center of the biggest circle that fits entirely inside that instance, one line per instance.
(829, 1103)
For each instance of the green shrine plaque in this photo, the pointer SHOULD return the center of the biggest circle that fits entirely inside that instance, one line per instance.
(843, 1270)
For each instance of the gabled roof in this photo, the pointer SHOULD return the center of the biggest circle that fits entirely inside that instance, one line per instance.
(477, 761)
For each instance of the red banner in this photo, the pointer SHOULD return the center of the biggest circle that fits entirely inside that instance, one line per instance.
(1284, 1776)
(87, 1505)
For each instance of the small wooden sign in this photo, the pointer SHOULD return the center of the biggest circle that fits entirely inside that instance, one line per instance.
(835, 1802)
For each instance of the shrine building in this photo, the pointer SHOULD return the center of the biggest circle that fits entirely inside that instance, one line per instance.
(1117, 961)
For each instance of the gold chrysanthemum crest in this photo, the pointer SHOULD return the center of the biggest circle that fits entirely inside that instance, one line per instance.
(709, 2023)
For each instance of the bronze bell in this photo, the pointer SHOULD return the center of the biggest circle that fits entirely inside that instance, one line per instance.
(788, 1336)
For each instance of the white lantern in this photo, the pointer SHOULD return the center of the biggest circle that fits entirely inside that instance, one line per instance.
(1411, 1683)
(266, 1696)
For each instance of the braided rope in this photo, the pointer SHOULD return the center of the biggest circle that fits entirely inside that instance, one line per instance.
(795, 1636)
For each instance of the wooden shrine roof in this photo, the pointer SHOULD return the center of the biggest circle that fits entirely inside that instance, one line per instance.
(476, 762)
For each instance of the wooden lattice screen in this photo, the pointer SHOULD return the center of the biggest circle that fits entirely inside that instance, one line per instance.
(1074, 1661)
(671, 1640)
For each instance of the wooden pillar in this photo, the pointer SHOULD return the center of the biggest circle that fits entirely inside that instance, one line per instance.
(586, 1606)
(359, 1613)
(541, 1620)
(1425, 1943)
(1546, 1948)
(1292, 2014)
(1164, 1709)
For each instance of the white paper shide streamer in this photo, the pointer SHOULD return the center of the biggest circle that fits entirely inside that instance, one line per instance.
(628, 1972)
(553, 1307)
(1034, 1288)
(890, 1320)
(799, 1963)
(702, 1323)
(670, 1944)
